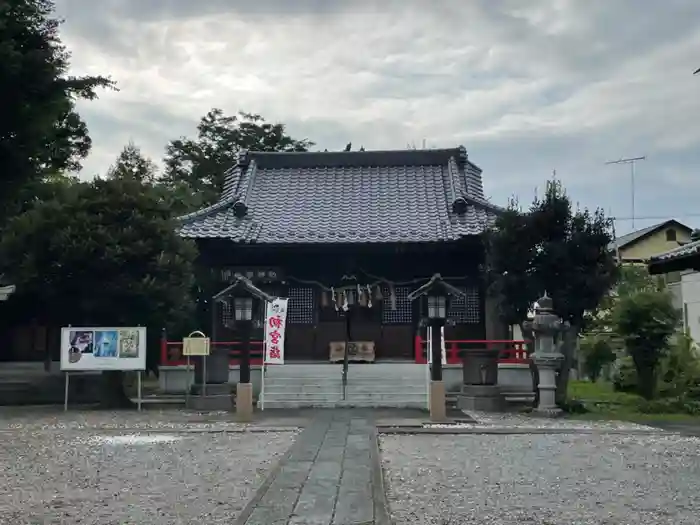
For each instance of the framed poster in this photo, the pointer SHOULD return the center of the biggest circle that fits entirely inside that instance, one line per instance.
(103, 348)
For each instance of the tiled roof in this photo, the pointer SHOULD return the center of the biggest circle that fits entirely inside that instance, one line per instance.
(347, 197)
(691, 248)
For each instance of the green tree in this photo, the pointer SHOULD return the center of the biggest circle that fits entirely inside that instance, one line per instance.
(104, 253)
(132, 164)
(597, 352)
(632, 278)
(646, 320)
(199, 165)
(556, 249)
(40, 131)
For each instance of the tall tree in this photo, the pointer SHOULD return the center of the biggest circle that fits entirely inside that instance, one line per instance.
(104, 253)
(200, 164)
(40, 131)
(131, 164)
(555, 249)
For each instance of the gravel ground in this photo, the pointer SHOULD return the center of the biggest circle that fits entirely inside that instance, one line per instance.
(42, 419)
(74, 471)
(493, 420)
(543, 479)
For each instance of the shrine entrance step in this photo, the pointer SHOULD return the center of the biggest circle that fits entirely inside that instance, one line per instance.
(390, 385)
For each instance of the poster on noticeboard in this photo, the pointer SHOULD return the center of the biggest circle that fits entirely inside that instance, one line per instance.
(103, 348)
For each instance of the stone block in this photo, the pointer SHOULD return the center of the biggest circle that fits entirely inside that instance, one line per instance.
(486, 398)
(438, 408)
(244, 402)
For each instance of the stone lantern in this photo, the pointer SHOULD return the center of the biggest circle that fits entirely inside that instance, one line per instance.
(247, 308)
(436, 295)
(545, 326)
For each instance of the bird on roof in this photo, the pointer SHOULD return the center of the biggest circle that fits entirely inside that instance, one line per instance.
(348, 147)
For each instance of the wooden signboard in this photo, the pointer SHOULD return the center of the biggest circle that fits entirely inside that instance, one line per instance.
(358, 351)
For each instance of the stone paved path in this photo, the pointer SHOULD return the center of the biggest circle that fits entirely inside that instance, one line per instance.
(327, 479)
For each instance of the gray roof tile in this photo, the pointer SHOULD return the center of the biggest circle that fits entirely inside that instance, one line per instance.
(347, 197)
(691, 248)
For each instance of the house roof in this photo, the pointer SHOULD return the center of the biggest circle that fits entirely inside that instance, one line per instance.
(684, 257)
(347, 197)
(630, 238)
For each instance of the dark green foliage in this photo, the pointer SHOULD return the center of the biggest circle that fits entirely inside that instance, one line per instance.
(596, 352)
(199, 165)
(104, 253)
(645, 320)
(131, 164)
(40, 132)
(550, 248)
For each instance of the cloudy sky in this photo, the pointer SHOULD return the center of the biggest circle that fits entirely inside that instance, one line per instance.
(527, 87)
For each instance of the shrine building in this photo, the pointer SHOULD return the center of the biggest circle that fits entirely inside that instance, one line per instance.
(352, 233)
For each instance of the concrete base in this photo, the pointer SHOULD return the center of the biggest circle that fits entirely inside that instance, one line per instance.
(213, 397)
(548, 412)
(438, 407)
(485, 398)
(244, 402)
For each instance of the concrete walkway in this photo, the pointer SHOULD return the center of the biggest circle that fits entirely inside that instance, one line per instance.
(331, 476)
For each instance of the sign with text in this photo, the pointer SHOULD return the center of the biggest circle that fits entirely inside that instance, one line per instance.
(275, 325)
(429, 345)
(195, 344)
(103, 348)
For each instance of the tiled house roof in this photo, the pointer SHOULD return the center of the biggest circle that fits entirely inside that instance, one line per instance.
(347, 197)
(691, 248)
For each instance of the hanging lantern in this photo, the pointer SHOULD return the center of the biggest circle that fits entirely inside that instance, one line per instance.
(392, 297)
(378, 294)
(324, 299)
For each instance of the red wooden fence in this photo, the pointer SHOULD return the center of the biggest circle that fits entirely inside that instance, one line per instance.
(509, 351)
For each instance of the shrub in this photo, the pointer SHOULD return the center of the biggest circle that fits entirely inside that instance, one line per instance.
(597, 352)
(671, 405)
(680, 370)
(625, 376)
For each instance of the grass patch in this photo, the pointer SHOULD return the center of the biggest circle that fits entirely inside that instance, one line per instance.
(603, 403)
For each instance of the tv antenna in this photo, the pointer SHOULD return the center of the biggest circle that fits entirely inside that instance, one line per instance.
(631, 161)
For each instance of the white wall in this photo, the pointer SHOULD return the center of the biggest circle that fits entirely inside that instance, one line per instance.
(690, 293)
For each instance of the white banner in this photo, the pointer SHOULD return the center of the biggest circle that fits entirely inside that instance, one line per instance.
(275, 324)
(429, 345)
(111, 348)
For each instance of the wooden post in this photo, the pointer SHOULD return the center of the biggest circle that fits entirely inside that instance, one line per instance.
(245, 352)
(436, 369)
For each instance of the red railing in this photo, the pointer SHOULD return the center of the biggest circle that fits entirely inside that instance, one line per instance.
(509, 351)
(171, 352)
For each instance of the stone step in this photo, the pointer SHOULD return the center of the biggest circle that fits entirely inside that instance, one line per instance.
(350, 403)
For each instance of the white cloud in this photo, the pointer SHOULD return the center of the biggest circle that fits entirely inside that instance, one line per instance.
(526, 87)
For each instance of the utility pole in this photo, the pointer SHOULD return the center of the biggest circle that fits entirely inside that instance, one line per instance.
(631, 161)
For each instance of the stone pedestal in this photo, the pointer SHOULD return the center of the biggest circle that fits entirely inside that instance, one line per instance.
(480, 366)
(486, 398)
(211, 397)
(244, 402)
(438, 410)
(547, 365)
